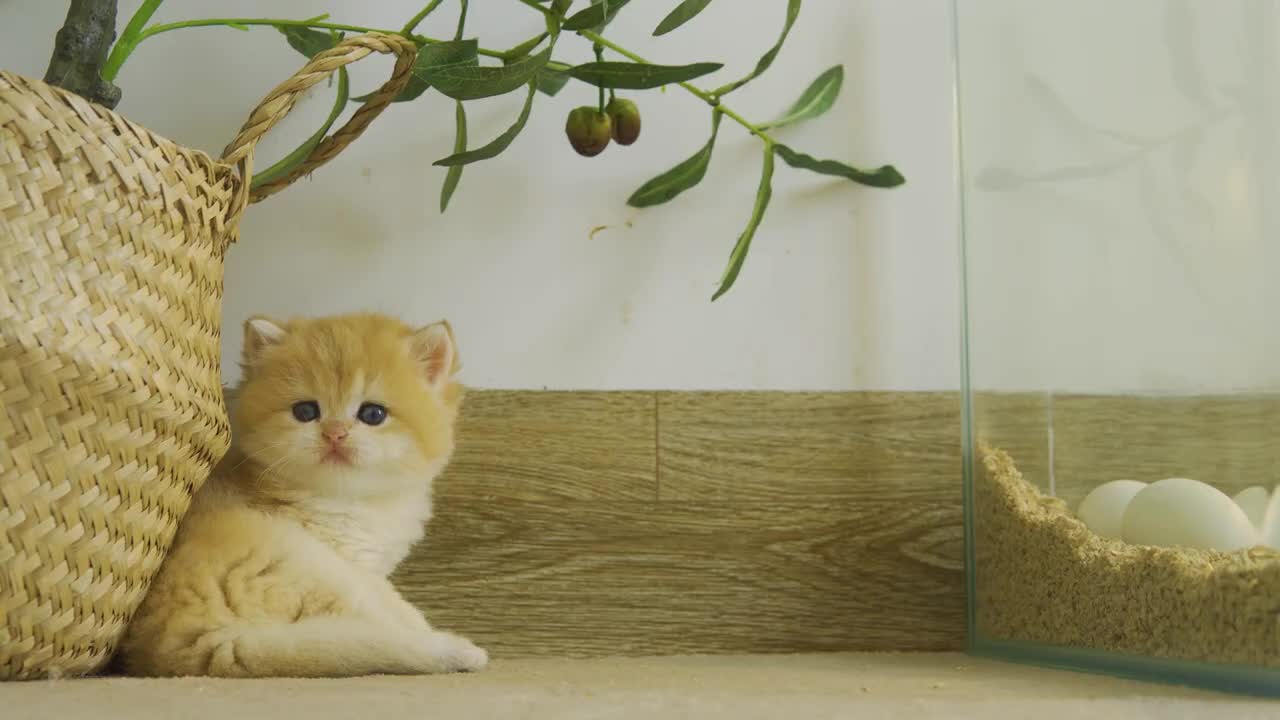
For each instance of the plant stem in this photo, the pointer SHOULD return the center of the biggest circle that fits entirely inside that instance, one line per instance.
(80, 52)
(412, 25)
(122, 50)
(232, 22)
(129, 39)
(462, 21)
(135, 34)
(599, 51)
(710, 99)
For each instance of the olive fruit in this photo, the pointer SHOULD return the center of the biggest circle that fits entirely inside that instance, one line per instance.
(588, 130)
(626, 120)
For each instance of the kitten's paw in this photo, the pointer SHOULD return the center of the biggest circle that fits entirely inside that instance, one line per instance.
(455, 653)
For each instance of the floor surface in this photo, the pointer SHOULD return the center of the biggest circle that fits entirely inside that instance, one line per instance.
(917, 686)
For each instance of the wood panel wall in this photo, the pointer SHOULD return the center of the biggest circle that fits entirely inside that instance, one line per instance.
(625, 523)
(1229, 441)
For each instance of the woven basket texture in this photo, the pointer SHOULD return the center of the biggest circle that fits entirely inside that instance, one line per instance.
(111, 258)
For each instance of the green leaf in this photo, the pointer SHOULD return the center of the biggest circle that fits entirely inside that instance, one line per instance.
(431, 58)
(886, 176)
(815, 100)
(612, 8)
(739, 253)
(551, 80)
(551, 77)
(793, 10)
(555, 16)
(683, 13)
(286, 164)
(471, 82)
(452, 177)
(523, 48)
(454, 53)
(451, 52)
(595, 17)
(307, 41)
(498, 144)
(638, 76)
(679, 178)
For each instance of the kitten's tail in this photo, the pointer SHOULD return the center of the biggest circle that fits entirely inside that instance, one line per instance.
(331, 646)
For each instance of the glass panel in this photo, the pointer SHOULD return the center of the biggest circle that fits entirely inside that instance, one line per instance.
(1121, 168)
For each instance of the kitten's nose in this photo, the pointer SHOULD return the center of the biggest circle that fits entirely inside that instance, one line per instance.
(334, 432)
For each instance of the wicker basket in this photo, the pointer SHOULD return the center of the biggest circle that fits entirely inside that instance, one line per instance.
(111, 255)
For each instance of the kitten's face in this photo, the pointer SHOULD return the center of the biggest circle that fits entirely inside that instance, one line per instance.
(351, 405)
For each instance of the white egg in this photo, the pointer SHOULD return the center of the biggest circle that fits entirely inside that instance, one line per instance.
(1103, 508)
(1179, 512)
(1271, 522)
(1253, 501)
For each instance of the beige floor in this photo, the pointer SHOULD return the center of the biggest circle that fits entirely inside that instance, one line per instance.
(798, 687)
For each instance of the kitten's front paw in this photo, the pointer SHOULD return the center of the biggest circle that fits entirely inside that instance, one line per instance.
(455, 653)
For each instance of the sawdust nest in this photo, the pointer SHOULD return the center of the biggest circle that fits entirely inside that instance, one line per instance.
(1042, 576)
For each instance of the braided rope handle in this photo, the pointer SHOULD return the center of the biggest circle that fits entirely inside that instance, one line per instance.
(280, 101)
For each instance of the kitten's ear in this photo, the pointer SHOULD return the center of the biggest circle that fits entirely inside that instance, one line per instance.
(259, 334)
(433, 346)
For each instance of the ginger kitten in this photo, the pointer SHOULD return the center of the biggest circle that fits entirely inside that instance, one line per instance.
(280, 567)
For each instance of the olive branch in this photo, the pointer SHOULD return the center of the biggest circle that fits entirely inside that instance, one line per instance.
(453, 68)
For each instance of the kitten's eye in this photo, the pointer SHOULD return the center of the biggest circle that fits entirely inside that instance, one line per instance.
(306, 411)
(371, 414)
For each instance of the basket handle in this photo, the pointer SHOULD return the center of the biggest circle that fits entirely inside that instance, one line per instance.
(281, 100)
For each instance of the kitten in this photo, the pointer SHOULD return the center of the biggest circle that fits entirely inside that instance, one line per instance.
(280, 566)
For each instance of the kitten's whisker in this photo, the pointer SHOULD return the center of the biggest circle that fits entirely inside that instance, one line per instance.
(272, 467)
(254, 455)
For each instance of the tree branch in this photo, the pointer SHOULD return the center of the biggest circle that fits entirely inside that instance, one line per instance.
(80, 50)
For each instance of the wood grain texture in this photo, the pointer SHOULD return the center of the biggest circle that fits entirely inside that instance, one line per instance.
(1019, 423)
(1229, 442)
(787, 446)
(591, 579)
(775, 522)
(518, 445)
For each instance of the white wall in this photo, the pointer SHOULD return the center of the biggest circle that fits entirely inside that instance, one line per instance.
(846, 288)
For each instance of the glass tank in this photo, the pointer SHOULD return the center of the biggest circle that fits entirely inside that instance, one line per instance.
(1121, 246)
